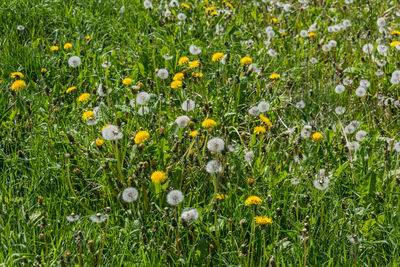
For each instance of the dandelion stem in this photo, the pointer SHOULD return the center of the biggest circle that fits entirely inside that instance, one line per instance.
(119, 163)
(104, 235)
(72, 188)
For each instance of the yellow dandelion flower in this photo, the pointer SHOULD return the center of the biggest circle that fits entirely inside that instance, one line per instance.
(214, 13)
(17, 74)
(194, 133)
(18, 85)
(209, 9)
(394, 43)
(99, 142)
(69, 90)
(259, 130)
(183, 61)
(54, 48)
(185, 5)
(158, 177)
(253, 200)
(87, 114)
(274, 20)
(43, 70)
(283, 34)
(197, 75)
(265, 120)
(179, 76)
(246, 61)
(317, 137)
(176, 84)
(208, 123)
(84, 97)
(141, 137)
(127, 81)
(312, 34)
(221, 196)
(394, 32)
(274, 76)
(194, 64)
(262, 220)
(67, 46)
(217, 56)
(229, 5)
(250, 181)
(88, 37)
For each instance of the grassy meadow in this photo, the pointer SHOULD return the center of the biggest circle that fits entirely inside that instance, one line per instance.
(199, 133)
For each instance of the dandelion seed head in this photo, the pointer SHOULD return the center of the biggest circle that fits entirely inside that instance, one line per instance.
(189, 215)
(182, 121)
(175, 197)
(162, 74)
(254, 111)
(216, 144)
(194, 50)
(130, 194)
(142, 98)
(74, 61)
(111, 133)
(340, 110)
(98, 218)
(213, 166)
(188, 105)
(249, 156)
(73, 217)
(263, 106)
(339, 89)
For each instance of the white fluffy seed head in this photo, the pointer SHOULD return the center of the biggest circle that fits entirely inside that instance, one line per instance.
(194, 50)
(306, 131)
(162, 74)
(216, 144)
(360, 135)
(111, 133)
(130, 194)
(189, 215)
(395, 77)
(300, 104)
(142, 98)
(368, 48)
(340, 110)
(213, 166)
(339, 89)
(181, 16)
(321, 183)
(182, 121)
(353, 146)
(361, 91)
(249, 156)
(74, 61)
(188, 105)
(263, 106)
(175, 197)
(349, 129)
(143, 110)
(254, 111)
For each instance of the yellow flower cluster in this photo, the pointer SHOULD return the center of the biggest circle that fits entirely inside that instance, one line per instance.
(208, 123)
(158, 177)
(141, 137)
(83, 97)
(88, 114)
(262, 220)
(253, 201)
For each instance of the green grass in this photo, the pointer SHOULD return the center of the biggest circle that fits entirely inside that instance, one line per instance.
(41, 124)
